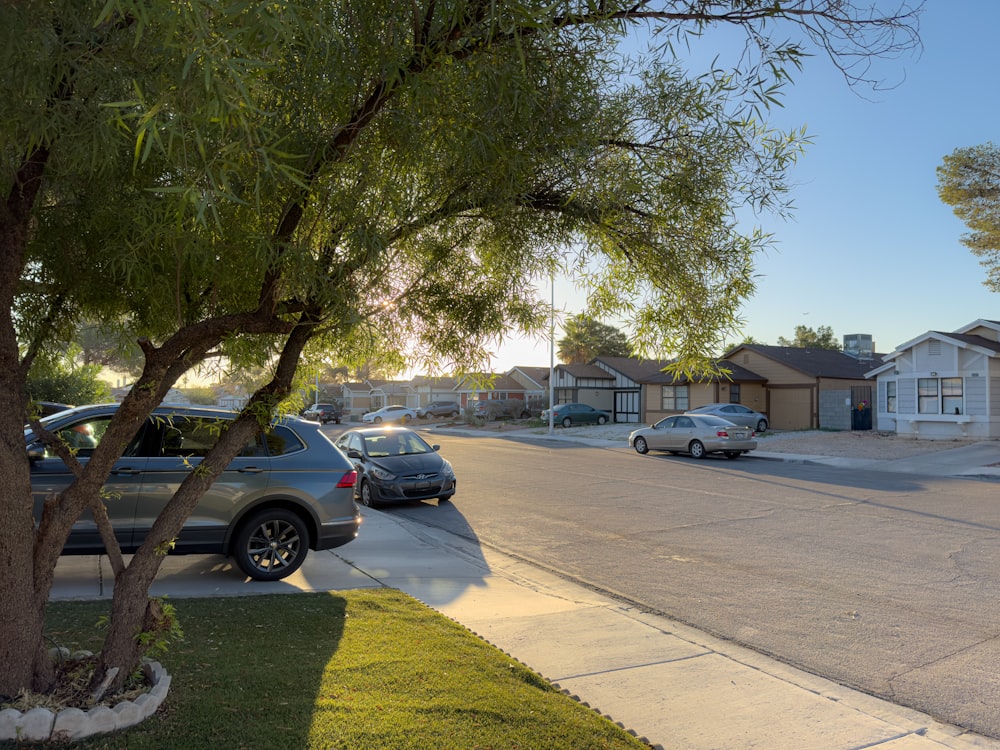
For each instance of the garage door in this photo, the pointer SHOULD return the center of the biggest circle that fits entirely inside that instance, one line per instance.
(791, 408)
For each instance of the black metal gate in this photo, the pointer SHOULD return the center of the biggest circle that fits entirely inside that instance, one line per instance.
(627, 404)
(861, 407)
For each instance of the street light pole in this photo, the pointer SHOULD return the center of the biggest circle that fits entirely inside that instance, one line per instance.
(552, 356)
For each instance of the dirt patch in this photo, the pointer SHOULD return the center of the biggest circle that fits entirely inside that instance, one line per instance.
(878, 446)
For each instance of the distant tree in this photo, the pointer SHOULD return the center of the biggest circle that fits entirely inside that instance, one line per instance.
(586, 338)
(807, 338)
(201, 394)
(100, 345)
(969, 182)
(65, 384)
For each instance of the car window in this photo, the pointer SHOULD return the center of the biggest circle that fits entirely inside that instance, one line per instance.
(280, 442)
(684, 422)
(665, 424)
(380, 446)
(193, 437)
(82, 436)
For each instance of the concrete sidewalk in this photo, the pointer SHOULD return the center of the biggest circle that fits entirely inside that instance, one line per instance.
(669, 684)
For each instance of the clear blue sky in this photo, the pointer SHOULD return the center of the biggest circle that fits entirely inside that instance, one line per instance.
(870, 247)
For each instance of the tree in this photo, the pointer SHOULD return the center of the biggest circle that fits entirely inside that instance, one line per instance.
(586, 338)
(969, 182)
(55, 381)
(806, 338)
(361, 181)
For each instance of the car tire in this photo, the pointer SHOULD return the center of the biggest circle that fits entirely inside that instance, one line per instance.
(445, 498)
(567, 422)
(762, 426)
(368, 497)
(453, 414)
(732, 454)
(405, 419)
(271, 544)
(641, 446)
(377, 420)
(697, 449)
(601, 419)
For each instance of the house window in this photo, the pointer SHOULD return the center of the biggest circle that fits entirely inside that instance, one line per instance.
(734, 393)
(675, 397)
(940, 396)
(890, 396)
(951, 396)
(927, 396)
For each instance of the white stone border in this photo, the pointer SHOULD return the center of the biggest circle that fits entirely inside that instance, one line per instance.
(42, 724)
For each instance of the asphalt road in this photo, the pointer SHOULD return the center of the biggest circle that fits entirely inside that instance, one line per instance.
(883, 582)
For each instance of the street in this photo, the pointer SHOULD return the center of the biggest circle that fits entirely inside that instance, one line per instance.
(882, 582)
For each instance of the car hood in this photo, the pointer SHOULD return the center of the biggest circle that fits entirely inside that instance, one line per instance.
(419, 463)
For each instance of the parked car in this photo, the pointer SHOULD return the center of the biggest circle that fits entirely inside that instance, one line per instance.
(439, 409)
(570, 414)
(697, 434)
(735, 413)
(289, 491)
(392, 413)
(500, 408)
(323, 413)
(395, 464)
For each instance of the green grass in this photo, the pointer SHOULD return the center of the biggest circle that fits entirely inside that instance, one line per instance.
(354, 669)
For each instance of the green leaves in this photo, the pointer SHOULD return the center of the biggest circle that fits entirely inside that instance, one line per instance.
(969, 182)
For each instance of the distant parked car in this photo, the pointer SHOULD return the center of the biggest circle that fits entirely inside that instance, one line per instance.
(570, 414)
(697, 434)
(395, 464)
(324, 413)
(289, 491)
(735, 413)
(439, 409)
(500, 408)
(393, 413)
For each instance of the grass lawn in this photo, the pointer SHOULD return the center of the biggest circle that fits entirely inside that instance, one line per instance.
(352, 669)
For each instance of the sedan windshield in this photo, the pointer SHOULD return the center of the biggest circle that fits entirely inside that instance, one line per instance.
(395, 444)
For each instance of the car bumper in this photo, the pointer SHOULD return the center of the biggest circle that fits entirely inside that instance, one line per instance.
(714, 446)
(404, 490)
(338, 532)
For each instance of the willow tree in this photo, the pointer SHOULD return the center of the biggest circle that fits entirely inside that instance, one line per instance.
(355, 180)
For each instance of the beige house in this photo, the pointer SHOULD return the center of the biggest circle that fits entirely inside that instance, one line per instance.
(808, 389)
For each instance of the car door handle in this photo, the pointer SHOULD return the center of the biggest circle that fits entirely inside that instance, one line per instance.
(249, 470)
(126, 471)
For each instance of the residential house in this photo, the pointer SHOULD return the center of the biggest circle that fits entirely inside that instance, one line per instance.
(486, 386)
(437, 388)
(588, 384)
(942, 385)
(534, 379)
(808, 388)
(666, 393)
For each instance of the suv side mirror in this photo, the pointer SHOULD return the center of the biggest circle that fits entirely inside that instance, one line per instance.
(36, 451)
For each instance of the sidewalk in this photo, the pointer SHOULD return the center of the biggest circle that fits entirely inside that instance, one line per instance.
(669, 684)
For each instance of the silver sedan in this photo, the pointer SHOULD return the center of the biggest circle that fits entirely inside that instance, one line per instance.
(697, 434)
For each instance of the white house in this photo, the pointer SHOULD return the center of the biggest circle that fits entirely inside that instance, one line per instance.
(942, 385)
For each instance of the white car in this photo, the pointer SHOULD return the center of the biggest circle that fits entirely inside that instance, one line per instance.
(393, 413)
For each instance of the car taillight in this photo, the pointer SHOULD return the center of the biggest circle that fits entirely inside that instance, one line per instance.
(348, 480)
(722, 433)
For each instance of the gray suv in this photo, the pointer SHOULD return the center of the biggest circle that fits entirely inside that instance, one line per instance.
(289, 491)
(440, 409)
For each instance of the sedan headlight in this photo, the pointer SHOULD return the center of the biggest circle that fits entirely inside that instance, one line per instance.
(379, 473)
(447, 471)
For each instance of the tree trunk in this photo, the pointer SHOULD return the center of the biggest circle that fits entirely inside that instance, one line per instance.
(132, 610)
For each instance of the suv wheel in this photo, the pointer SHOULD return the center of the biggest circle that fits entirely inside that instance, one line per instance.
(271, 544)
